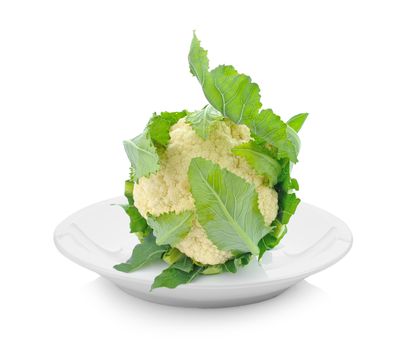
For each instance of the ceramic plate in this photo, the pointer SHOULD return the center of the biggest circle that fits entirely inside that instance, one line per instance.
(98, 237)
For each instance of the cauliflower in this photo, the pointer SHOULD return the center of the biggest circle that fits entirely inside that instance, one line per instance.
(168, 189)
(204, 185)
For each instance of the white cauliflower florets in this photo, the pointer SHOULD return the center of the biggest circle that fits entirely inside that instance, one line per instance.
(168, 189)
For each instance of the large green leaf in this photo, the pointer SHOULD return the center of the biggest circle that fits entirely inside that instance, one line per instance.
(226, 207)
(236, 97)
(171, 228)
(173, 277)
(260, 159)
(143, 254)
(231, 93)
(142, 155)
(202, 121)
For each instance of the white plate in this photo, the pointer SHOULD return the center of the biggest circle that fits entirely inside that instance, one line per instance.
(97, 238)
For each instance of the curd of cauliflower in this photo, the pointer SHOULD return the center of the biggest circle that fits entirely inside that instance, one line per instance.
(168, 190)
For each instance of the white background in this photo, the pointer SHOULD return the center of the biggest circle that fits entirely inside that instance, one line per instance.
(78, 77)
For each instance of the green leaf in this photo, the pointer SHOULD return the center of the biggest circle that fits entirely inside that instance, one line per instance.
(284, 177)
(272, 239)
(260, 159)
(142, 155)
(198, 61)
(269, 127)
(184, 264)
(173, 277)
(288, 202)
(160, 124)
(128, 191)
(137, 222)
(294, 185)
(240, 261)
(141, 150)
(213, 270)
(172, 255)
(231, 93)
(266, 243)
(230, 266)
(243, 259)
(226, 207)
(293, 138)
(171, 228)
(143, 254)
(202, 121)
(236, 97)
(297, 121)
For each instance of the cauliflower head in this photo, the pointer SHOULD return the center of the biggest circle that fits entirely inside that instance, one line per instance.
(168, 189)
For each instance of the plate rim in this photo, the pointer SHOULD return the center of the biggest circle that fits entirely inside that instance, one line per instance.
(114, 274)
